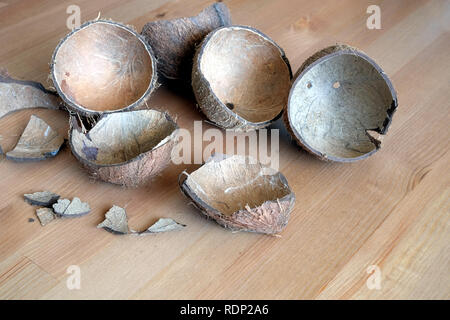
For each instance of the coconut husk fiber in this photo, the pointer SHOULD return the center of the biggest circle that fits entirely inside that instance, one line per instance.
(241, 78)
(174, 41)
(103, 66)
(339, 104)
(19, 94)
(127, 148)
(240, 194)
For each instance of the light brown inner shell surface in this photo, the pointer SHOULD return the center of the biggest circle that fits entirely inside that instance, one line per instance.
(247, 73)
(232, 184)
(103, 67)
(120, 137)
(337, 102)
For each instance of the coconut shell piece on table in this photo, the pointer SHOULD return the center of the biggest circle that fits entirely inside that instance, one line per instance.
(45, 215)
(339, 104)
(18, 94)
(38, 142)
(126, 148)
(241, 194)
(41, 198)
(174, 41)
(74, 208)
(103, 66)
(241, 78)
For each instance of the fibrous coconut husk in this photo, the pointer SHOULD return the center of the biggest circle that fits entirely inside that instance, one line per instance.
(339, 100)
(18, 94)
(116, 221)
(38, 142)
(174, 41)
(241, 78)
(42, 198)
(74, 208)
(241, 194)
(126, 148)
(103, 66)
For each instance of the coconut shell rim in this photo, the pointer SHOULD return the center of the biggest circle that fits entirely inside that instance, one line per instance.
(198, 55)
(340, 50)
(205, 207)
(80, 109)
(74, 126)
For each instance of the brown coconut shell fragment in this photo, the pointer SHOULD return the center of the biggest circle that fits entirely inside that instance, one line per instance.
(103, 66)
(41, 198)
(126, 148)
(241, 78)
(241, 194)
(18, 94)
(38, 142)
(339, 102)
(45, 215)
(174, 41)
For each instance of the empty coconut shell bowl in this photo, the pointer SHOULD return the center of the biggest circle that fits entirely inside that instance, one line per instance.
(241, 78)
(241, 194)
(127, 148)
(103, 66)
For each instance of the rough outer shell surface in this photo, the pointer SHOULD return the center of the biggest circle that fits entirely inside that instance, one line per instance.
(126, 148)
(339, 100)
(174, 41)
(103, 66)
(240, 194)
(241, 78)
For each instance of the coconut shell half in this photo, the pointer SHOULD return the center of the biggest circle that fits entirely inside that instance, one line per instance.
(241, 194)
(126, 148)
(103, 66)
(340, 101)
(241, 78)
(174, 41)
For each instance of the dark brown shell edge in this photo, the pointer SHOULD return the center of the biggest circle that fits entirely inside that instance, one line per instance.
(217, 111)
(317, 58)
(145, 166)
(244, 220)
(168, 49)
(140, 103)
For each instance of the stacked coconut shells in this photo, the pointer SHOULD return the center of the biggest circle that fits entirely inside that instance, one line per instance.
(335, 107)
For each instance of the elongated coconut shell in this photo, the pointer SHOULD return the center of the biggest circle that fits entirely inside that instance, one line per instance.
(103, 66)
(241, 194)
(126, 148)
(339, 100)
(18, 94)
(174, 41)
(241, 78)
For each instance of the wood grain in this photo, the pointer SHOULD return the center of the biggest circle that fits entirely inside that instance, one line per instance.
(390, 210)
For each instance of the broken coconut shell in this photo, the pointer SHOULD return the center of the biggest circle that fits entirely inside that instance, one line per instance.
(174, 41)
(45, 215)
(37, 142)
(126, 148)
(240, 193)
(241, 78)
(18, 94)
(103, 66)
(74, 208)
(42, 198)
(339, 99)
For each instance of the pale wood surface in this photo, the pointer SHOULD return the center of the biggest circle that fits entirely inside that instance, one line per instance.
(391, 210)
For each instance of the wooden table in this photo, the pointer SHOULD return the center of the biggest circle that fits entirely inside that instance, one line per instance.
(390, 211)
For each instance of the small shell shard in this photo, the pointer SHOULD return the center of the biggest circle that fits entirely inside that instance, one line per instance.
(43, 198)
(45, 215)
(163, 225)
(74, 208)
(116, 221)
(38, 142)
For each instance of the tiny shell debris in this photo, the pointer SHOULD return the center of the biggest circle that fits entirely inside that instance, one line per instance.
(116, 221)
(339, 104)
(38, 142)
(241, 194)
(103, 66)
(174, 41)
(17, 95)
(43, 198)
(126, 148)
(241, 78)
(74, 208)
(45, 215)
